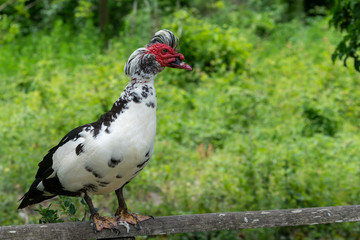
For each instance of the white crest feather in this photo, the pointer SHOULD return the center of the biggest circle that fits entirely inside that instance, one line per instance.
(133, 61)
(165, 37)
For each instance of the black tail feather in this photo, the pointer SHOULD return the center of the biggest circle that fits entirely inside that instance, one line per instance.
(32, 197)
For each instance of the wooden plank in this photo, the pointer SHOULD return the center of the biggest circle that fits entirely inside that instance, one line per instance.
(189, 223)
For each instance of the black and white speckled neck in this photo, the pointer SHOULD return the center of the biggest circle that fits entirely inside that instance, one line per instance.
(139, 91)
(142, 66)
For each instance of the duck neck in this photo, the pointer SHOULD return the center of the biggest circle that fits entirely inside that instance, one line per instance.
(143, 78)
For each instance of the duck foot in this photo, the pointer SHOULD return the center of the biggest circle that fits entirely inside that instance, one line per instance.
(100, 222)
(132, 218)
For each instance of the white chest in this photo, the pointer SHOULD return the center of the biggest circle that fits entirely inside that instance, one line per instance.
(129, 146)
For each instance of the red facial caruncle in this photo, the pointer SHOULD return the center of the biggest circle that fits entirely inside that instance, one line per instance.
(167, 56)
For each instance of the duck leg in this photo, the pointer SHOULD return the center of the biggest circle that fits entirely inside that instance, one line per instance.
(124, 215)
(100, 222)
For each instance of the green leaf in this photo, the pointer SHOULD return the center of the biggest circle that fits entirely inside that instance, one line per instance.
(72, 209)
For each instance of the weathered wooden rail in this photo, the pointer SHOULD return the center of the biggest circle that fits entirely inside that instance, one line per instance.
(188, 223)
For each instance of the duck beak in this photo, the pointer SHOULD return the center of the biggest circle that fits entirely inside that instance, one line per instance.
(180, 64)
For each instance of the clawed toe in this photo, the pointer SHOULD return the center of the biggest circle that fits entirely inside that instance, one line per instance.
(100, 222)
(132, 218)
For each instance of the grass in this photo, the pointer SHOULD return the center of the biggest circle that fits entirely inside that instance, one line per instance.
(278, 129)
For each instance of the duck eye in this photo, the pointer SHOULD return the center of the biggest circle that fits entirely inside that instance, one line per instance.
(164, 50)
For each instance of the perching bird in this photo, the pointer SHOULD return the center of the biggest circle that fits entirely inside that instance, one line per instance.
(104, 156)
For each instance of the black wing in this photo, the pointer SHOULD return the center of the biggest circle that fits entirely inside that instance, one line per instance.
(45, 166)
(45, 170)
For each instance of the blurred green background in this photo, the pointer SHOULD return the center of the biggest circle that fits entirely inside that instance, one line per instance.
(264, 121)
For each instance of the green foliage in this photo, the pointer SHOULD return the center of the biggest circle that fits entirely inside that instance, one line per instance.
(8, 29)
(212, 48)
(48, 215)
(68, 207)
(317, 121)
(68, 211)
(346, 18)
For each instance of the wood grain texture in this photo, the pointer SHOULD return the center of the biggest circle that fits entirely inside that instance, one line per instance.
(189, 223)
